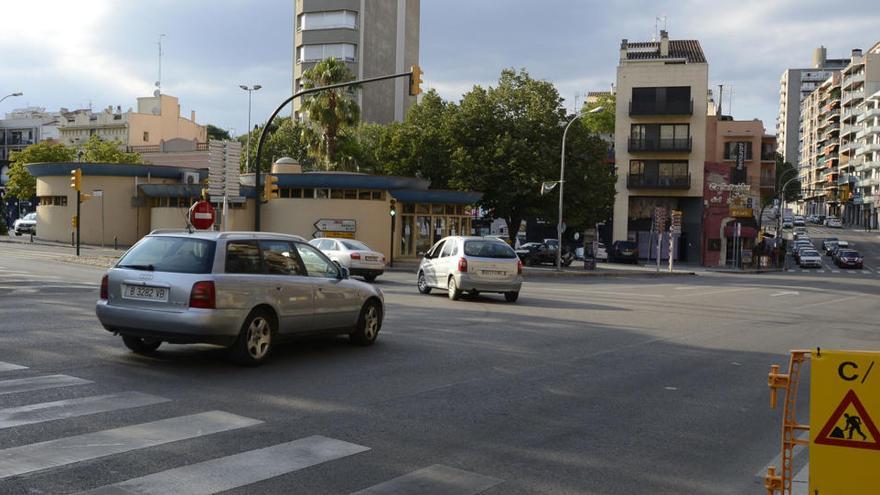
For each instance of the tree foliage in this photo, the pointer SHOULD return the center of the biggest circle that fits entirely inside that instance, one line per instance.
(215, 132)
(600, 122)
(331, 113)
(784, 172)
(286, 137)
(96, 150)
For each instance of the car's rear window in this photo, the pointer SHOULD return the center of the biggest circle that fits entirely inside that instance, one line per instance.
(355, 245)
(627, 245)
(170, 254)
(488, 249)
(849, 253)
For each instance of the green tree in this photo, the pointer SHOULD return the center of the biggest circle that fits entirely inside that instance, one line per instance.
(215, 132)
(785, 171)
(22, 184)
(601, 122)
(330, 113)
(590, 181)
(285, 137)
(4, 229)
(96, 150)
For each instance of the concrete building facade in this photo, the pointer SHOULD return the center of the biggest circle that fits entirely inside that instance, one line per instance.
(660, 139)
(858, 143)
(373, 37)
(794, 86)
(819, 168)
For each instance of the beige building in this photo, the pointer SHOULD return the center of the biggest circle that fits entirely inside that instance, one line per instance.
(136, 199)
(724, 135)
(819, 163)
(373, 37)
(156, 120)
(858, 143)
(660, 138)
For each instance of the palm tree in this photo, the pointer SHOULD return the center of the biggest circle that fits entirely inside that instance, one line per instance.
(330, 113)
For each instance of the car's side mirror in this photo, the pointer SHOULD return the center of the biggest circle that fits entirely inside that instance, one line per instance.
(343, 273)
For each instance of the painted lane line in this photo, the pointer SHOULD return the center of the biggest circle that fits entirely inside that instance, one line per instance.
(70, 450)
(39, 383)
(800, 484)
(776, 462)
(434, 480)
(226, 473)
(11, 367)
(786, 293)
(71, 408)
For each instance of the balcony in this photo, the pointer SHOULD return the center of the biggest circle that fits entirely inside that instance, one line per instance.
(768, 182)
(635, 181)
(661, 108)
(852, 80)
(638, 144)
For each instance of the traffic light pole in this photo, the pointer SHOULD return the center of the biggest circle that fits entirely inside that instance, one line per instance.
(283, 104)
(78, 222)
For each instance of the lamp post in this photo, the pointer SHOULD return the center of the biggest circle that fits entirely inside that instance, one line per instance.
(247, 156)
(562, 185)
(12, 94)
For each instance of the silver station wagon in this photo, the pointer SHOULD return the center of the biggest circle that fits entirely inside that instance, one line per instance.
(473, 265)
(244, 290)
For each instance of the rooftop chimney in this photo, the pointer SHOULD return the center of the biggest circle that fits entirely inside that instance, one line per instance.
(623, 44)
(664, 43)
(819, 57)
(192, 115)
(857, 52)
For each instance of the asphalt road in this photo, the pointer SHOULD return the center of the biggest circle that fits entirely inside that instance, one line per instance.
(608, 386)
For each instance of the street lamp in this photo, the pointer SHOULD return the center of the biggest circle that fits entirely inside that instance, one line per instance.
(562, 184)
(247, 157)
(13, 94)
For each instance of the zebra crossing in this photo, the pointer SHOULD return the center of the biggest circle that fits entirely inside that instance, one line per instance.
(801, 477)
(211, 476)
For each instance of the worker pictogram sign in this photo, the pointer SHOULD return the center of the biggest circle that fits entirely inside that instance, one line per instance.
(844, 415)
(850, 426)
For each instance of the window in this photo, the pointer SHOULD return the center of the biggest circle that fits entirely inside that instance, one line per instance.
(435, 252)
(350, 194)
(327, 245)
(322, 193)
(637, 167)
(317, 265)
(672, 169)
(52, 201)
(355, 245)
(280, 258)
(334, 19)
(316, 53)
(730, 149)
(364, 195)
(336, 194)
(447, 249)
(170, 254)
(308, 193)
(488, 249)
(379, 195)
(146, 136)
(243, 257)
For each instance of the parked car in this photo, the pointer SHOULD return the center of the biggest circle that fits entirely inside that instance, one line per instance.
(798, 221)
(624, 252)
(538, 253)
(848, 258)
(26, 224)
(471, 264)
(809, 258)
(601, 252)
(833, 222)
(243, 290)
(827, 243)
(801, 250)
(834, 247)
(354, 255)
(787, 222)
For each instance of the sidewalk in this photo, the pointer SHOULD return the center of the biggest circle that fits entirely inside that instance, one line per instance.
(576, 270)
(91, 250)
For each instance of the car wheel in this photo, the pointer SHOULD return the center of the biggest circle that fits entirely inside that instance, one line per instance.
(141, 345)
(255, 340)
(454, 291)
(370, 278)
(511, 296)
(368, 325)
(423, 284)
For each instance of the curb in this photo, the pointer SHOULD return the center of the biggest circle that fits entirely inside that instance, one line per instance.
(530, 273)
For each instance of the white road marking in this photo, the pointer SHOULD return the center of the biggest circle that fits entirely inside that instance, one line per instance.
(786, 293)
(11, 367)
(777, 461)
(601, 292)
(69, 450)
(39, 383)
(226, 473)
(71, 408)
(434, 480)
(800, 484)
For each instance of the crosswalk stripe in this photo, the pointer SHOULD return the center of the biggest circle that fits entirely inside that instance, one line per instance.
(434, 480)
(777, 461)
(226, 473)
(39, 383)
(71, 408)
(801, 482)
(69, 450)
(11, 367)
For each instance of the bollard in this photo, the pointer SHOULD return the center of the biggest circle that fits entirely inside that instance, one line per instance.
(115, 243)
(32, 237)
(72, 239)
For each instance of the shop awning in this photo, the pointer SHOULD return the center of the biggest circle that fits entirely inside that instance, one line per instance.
(730, 231)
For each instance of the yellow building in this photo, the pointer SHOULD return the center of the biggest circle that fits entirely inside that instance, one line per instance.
(136, 199)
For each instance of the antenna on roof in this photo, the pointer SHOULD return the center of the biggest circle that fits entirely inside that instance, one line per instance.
(659, 25)
(159, 79)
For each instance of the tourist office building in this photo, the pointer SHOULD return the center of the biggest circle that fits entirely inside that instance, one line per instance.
(133, 200)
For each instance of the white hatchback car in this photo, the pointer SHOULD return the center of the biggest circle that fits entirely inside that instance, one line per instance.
(354, 255)
(471, 264)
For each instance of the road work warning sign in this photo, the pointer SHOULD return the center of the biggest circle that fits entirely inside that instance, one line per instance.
(844, 407)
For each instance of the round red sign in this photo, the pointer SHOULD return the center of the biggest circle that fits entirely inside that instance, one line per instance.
(202, 215)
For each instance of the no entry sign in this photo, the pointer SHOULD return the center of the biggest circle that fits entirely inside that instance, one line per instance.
(202, 215)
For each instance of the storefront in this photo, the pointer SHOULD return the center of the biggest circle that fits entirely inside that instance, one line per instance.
(729, 218)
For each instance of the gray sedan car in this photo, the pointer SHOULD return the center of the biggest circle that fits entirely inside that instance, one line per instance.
(244, 290)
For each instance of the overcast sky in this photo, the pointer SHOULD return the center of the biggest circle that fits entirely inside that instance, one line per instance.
(72, 53)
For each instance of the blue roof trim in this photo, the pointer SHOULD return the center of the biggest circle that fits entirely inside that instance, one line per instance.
(436, 196)
(111, 170)
(346, 181)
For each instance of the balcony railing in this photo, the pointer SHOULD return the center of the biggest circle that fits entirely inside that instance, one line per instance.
(157, 148)
(661, 108)
(768, 181)
(635, 181)
(674, 144)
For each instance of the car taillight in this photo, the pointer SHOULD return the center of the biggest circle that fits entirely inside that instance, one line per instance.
(462, 265)
(355, 256)
(105, 290)
(202, 295)
(519, 267)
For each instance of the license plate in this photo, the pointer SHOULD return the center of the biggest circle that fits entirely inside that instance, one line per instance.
(494, 273)
(371, 258)
(145, 293)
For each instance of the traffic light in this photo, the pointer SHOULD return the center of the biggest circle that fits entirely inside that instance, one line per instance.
(270, 187)
(73, 221)
(415, 80)
(76, 179)
(393, 210)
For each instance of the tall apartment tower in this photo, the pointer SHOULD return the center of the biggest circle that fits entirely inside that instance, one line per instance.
(859, 136)
(373, 37)
(819, 163)
(660, 138)
(794, 86)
